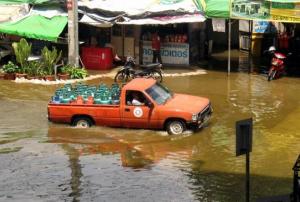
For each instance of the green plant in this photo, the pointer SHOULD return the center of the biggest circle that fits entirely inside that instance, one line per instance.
(33, 68)
(10, 68)
(22, 51)
(50, 58)
(41, 72)
(78, 73)
(66, 69)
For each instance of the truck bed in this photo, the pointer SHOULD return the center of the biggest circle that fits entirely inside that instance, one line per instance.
(100, 114)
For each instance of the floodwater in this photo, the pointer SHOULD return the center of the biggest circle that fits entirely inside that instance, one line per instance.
(41, 161)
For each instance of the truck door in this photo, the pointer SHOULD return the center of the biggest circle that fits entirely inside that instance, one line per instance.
(135, 113)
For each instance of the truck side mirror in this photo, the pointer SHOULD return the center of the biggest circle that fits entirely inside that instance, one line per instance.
(149, 104)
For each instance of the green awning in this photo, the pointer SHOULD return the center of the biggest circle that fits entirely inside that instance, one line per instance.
(285, 1)
(216, 9)
(37, 27)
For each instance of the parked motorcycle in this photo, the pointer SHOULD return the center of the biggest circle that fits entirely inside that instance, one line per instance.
(128, 71)
(278, 60)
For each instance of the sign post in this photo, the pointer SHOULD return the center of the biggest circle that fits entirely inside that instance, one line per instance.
(296, 187)
(244, 146)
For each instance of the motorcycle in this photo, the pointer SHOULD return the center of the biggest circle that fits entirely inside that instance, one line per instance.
(278, 60)
(128, 71)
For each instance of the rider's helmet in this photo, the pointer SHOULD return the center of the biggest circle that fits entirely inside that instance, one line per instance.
(272, 48)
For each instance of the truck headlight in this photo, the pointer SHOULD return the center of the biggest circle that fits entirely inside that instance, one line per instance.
(194, 117)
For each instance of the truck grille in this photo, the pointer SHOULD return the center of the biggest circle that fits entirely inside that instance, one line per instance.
(205, 112)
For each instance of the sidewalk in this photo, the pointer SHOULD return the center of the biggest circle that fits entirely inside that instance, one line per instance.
(93, 74)
(167, 71)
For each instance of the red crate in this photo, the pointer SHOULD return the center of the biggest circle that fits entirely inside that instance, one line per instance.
(97, 58)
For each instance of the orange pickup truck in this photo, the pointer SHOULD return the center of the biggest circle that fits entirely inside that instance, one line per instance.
(143, 103)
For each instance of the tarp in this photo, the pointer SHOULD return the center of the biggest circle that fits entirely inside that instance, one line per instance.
(13, 12)
(188, 18)
(139, 12)
(23, 1)
(139, 7)
(36, 26)
(285, 1)
(216, 8)
(90, 20)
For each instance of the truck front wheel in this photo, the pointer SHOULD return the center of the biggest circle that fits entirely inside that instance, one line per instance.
(82, 122)
(175, 127)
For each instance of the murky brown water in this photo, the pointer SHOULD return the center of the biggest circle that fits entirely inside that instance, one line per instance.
(41, 161)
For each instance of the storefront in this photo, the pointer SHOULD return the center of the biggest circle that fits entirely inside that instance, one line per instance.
(133, 23)
(180, 43)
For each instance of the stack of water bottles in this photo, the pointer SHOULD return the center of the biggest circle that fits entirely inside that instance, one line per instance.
(85, 94)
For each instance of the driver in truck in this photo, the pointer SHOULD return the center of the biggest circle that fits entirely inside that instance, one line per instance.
(136, 99)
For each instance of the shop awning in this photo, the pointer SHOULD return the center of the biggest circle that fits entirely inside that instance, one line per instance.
(216, 9)
(140, 12)
(165, 20)
(36, 26)
(138, 7)
(87, 19)
(13, 12)
(285, 1)
(23, 1)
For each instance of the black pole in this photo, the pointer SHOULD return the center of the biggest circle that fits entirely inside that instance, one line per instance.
(250, 47)
(248, 176)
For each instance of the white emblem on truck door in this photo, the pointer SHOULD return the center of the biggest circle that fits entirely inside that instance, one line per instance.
(138, 112)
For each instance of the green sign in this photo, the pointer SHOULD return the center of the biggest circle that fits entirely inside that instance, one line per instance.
(265, 10)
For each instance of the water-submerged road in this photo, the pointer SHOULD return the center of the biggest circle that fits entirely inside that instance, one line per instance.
(41, 161)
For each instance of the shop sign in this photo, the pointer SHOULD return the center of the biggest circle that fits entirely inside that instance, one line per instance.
(262, 27)
(265, 10)
(218, 25)
(171, 53)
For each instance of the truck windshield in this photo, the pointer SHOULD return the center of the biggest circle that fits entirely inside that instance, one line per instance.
(159, 93)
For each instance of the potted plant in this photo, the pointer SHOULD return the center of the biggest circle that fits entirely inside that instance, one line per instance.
(78, 73)
(64, 72)
(33, 70)
(22, 51)
(41, 74)
(49, 60)
(2, 74)
(10, 70)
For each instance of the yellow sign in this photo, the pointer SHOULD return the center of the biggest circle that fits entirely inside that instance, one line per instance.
(265, 10)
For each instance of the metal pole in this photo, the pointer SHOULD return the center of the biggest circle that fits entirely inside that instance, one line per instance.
(123, 41)
(250, 47)
(248, 176)
(73, 55)
(229, 47)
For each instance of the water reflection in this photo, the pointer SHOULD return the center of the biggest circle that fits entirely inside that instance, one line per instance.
(76, 172)
(140, 150)
(137, 151)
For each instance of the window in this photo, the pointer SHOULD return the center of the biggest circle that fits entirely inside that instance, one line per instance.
(159, 93)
